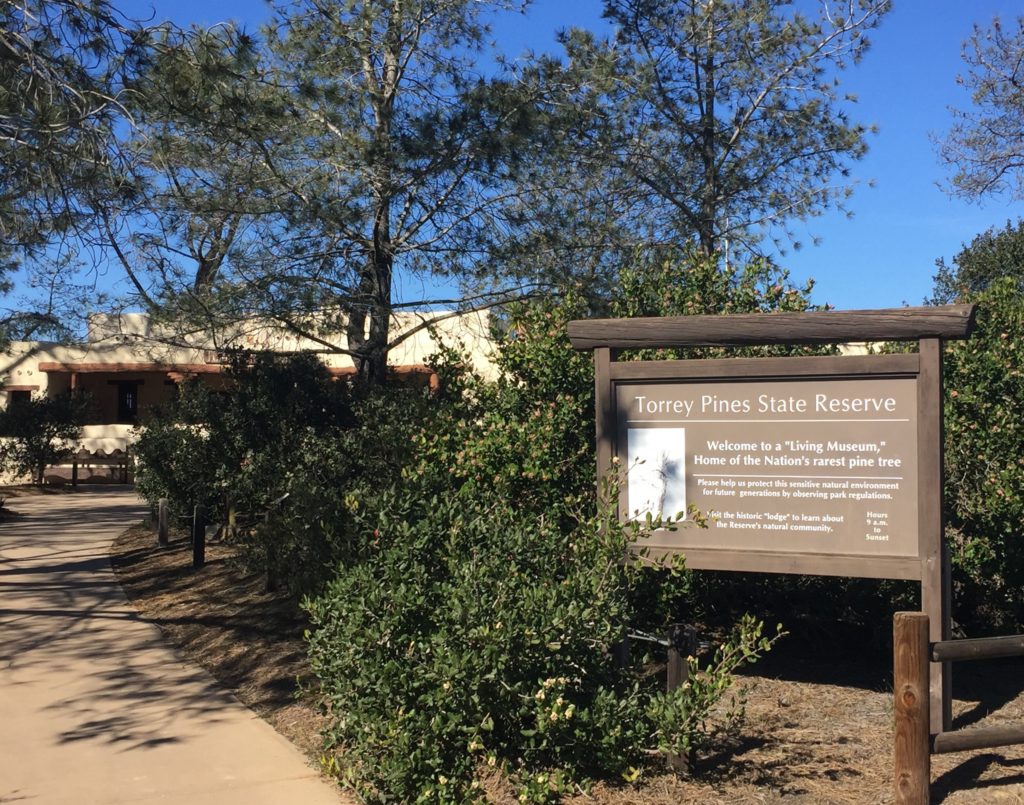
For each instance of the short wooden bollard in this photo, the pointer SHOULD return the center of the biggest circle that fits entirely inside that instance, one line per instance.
(621, 652)
(198, 537)
(912, 755)
(162, 522)
(682, 644)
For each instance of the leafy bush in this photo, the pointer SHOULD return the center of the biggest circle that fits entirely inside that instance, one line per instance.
(683, 718)
(530, 436)
(477, 629)
(984, 381)
(474, 636)
(328, 480)
(984, 436)
(234, 450)
(284, 449)
(41, 432)
(991, 257)
(175, 456)
(476, 592)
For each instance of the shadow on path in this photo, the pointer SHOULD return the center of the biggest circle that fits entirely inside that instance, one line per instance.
(95, 706)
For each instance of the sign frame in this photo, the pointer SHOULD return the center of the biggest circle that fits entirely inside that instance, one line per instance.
(929, 326)
(775, 370)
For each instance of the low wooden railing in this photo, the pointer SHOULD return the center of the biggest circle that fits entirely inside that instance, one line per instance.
(914, 742)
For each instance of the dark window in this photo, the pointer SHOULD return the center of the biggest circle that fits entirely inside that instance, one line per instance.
(17, 397)
(127, 402)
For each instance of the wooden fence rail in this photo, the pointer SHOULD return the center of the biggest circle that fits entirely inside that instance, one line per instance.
(981, 648)
(976, 738)
(914, 744)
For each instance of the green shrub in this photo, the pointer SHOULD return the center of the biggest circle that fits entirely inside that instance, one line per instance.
(683, 719)
(328, 479)
(175, 456)
(475, 591)
(265, 418)
(529, 437)
(235, 451)
(477, 628)
(984, 431)
(284, 450)
(474, 636)
(984, 456)
(41, 432)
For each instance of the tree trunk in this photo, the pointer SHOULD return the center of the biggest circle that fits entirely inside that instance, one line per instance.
(370, 320)
(371, 355)
(372, 358)
(709, 192)
(373, 369)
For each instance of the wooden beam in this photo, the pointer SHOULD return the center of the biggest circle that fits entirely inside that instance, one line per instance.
(116, 368)
(682, 644)
(179, 371)
(749, 329)
(979, 648)
(769, 368)
(936, 586)
(661, 546)
(604, 416)
(403, 370)
(977, 738)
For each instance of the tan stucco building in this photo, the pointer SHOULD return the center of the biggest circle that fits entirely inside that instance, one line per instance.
(127, 366)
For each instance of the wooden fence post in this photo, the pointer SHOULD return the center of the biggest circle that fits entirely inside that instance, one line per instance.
(162, 527)
(912, 752)
(621, 652)
(682, 643)
(198, 537)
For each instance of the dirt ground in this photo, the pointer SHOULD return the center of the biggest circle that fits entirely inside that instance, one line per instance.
(806, 738)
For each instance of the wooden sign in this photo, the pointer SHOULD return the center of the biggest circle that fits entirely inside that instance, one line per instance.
(802, 467)
(826, 465)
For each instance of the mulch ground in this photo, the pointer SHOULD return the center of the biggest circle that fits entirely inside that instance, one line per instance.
(806, 738)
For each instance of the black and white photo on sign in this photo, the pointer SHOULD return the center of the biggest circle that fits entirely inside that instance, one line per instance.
(656, 472)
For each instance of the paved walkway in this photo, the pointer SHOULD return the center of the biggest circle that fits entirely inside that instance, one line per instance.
(95, 708)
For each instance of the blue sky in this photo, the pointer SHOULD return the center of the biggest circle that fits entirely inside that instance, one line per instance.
(884, 256)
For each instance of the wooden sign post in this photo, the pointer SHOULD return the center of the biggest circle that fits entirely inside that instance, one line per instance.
(823, 465)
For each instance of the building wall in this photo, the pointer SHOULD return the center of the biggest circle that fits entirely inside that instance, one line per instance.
(19, 369)
(468, 332)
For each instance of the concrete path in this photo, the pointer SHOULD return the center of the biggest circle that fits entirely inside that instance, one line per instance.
(95, 708)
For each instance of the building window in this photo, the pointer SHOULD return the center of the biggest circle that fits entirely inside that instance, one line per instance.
(18, 397)
(127, 402)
